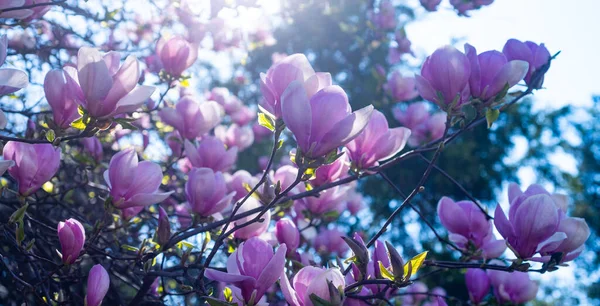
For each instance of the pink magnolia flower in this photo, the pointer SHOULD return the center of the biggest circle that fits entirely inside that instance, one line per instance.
(467, 224)
(64, 95)
(97, 286)
(478, 284)
(377, 142)
(287, 233)
(515, 287)
(133, 183)
(296, 68)
(325, 121)
(331, 172)
(329, 241)
(93, 146)
(413, 115)
(25, 14)
(163, 231)
(210, 153)
(191, 118)
(176, 55)
(385, 17)
(109, 88)
(536, 55)
(243, 115)
(444, 78)
(35, 164)
(206, 191)
(253, 268)
(308, 281)
(255, 229)
(238, 181)
(429, 130)
(235, 136)
(430, 5)
(331, 199)
(11, 79)
(491, 72)
(72, 238)
(401, 88)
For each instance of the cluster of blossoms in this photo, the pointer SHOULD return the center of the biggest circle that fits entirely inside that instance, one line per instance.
(461, 6)
(206, 133)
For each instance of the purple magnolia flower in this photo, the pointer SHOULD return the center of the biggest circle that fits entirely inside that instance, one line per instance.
(72, 238)
(235, 136)
(97, 286)
(243, 115)
(210, 153)
(109, 88)
(206, 191)
(430, 5)
(163, 231)
(26, 14)
(532, 220)
(175, 143)
(253, 268)
(64, 96)
(491, 72)
(376, 142)
(515, 287)
(329, 200)
(430, 130)
(287, 233)
(354, 202)
(329, 241)
(35, 164)
(176, 55)
(401, 88)
(308, 281)
(191, 118)
(463, 6)
(469, 227)
(444, 78)
(331, 172)
(11, 79)
(478, 284)
(385, 17)
(255, 229)
(93, 146)
(536, 55)
(414, 115)
(133, 183)
(295, 67)
(323, 122)
(238, 181)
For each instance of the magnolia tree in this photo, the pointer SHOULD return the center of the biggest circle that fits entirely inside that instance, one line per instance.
(128, 178)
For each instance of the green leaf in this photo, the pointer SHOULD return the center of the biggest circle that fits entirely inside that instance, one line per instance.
(491, 116)
(385, 272)
(50, 135)
(79, 124)
(80, 110)
(214, 302)
(469, 111)
(502, 93)
(17, 216)
(125, 124)
(20, 232)
(129, 248)
(415, 264)
(318, 301)
(266, 121)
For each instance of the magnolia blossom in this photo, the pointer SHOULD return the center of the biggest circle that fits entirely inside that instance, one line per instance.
(25, 14)
(491, 72)
(329, 241)
(308, 281)
(331, 172)
(287, 233)
(191, 118)
(536, 55)
(385, 17)
(444, 78)
(210, 153)
(72, 237)
(322, 122)
(133, 183)
(294, 68)
(329, 200)
(109, 88)
(469, 227)
(11, 79)
(238, 181)
(463, 6)
(97, 286)
(255, 229)
(515, 287)
(253, 268)
(377, 142)
(537, 223)
(93, 146)
(478, 284)
(34, 164)
(176, 55)
(235, 136)
(430, 5)
(401, 88)
(206, 191)
(424, 127)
